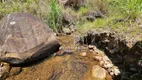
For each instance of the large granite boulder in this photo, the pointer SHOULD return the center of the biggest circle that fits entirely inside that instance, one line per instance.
(25, 38)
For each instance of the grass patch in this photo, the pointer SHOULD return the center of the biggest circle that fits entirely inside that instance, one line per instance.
(123, 17)
(130, 9)
(38, 8)
(97, 24)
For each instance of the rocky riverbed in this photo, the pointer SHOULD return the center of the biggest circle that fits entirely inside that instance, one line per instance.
(79, 65)
(76, 62)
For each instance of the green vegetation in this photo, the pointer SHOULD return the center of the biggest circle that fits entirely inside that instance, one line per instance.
(101, 5)
(120, 15)
(37, 8)
(47, 10)
(123, 16)
(98, 24)
(54, 17)
(130, 9)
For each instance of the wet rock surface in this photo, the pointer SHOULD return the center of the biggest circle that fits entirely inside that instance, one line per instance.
(25, 38)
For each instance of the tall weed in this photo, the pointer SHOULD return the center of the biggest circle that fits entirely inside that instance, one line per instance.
(54, 16)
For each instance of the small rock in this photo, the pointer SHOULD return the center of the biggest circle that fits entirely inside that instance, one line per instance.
(72, 28)
(59, 53)
(98, 72)
(107, 65)
(101, 63)
(105, 58)
(94, 48)
(76, 4)
(114, 71)
(67, 31)
(83, 54)
(111, 73)
(107, 34)
(99, 52)
(91, 16)
(98, 58)
(91, 47)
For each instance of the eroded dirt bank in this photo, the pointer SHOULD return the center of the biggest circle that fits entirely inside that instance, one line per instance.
(123, 52)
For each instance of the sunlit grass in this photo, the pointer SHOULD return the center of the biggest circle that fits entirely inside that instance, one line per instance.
(97, 24)
(130, 9)
(37, 8)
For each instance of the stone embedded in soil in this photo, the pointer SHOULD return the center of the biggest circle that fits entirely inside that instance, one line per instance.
(4, 70)
(107, 65)
(59, 53)
(104, 61)
(83, 54)
(91, 16)
(99, 58)
(98, 72)
(114, 71)
(25, 38)
(91, 46)
(76, 4)
(67, 31)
